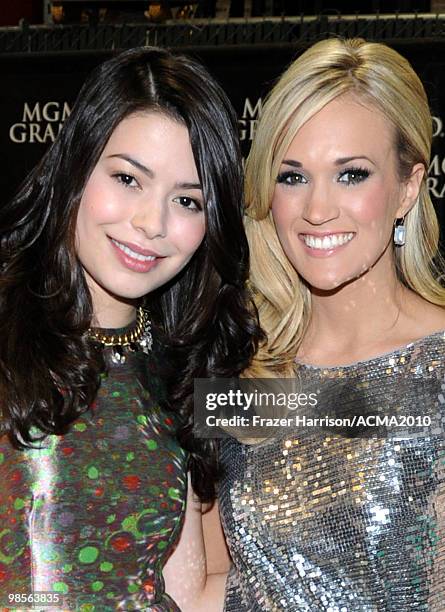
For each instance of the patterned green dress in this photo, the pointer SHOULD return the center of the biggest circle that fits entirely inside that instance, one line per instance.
(93, 515)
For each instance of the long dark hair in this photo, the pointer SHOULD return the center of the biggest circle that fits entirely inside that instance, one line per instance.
(49, 369)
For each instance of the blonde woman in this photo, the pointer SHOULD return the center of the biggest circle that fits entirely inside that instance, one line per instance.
(343, 236)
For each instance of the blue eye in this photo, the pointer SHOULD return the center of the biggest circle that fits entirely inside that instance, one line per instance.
(127, 180)
(353, 176)
(290, 177)
(187, 202)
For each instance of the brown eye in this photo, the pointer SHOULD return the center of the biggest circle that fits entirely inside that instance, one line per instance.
(125, 179)
(188, 202)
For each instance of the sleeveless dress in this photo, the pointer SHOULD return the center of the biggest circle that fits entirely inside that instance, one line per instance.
(92, 516)
(322, 522)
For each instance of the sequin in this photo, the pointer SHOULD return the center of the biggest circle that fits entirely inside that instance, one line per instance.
(95, 513)
(319, 522)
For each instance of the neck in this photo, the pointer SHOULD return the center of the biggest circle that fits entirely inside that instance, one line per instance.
(109, 310)
(366, 312)
(120, 315)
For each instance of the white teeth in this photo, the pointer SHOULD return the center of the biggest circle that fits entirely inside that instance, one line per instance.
(133, 254)
(327, 242)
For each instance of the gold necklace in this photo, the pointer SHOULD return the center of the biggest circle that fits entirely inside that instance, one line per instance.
(139, 335)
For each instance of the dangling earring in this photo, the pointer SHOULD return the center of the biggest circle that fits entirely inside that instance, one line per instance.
(399, 232)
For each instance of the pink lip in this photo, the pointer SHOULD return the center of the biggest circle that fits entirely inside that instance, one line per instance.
(135, 264)
(136, 248)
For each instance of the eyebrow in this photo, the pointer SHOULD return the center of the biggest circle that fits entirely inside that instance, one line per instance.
(151, 174)
(292, 162)
(134, 163)
(188, 186)
(344, 160)
(338, 162)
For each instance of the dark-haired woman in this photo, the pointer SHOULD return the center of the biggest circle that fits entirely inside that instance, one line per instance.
(130, 209)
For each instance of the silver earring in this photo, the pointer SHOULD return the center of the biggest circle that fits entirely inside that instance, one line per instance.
(399, 232)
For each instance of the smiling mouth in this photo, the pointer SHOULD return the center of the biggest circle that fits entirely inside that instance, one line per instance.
(130, 253)
(326, 243)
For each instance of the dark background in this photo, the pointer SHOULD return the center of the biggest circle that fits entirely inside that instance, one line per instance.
(246, 72)
(246, 44)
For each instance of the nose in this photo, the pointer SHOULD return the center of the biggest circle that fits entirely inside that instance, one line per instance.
(151, 218)
(320, 205)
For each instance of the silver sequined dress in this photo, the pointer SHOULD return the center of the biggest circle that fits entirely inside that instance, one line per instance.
(322, 522)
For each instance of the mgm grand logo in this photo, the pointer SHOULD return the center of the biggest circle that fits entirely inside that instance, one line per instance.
(40, 122)
(249, 118)
(436, 171)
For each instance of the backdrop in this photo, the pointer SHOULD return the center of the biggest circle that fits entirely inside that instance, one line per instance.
(38, 91)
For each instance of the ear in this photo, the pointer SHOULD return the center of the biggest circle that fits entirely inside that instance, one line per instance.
(410, 190)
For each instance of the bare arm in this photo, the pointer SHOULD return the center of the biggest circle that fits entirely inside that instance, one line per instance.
(217, 554)
(195, 585)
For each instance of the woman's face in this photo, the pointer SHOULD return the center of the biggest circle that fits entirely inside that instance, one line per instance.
(338, 193)
(141, 215)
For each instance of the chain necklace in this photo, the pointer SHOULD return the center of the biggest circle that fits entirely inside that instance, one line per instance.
(138, 337)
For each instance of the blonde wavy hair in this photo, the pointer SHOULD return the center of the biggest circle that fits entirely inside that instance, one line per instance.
(381, 78)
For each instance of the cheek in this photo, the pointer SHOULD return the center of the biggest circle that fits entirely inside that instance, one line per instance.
(283, 212)
(98, 205)
(187, 233)
(373, 207)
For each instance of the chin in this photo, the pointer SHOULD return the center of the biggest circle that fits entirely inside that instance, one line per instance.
(332, 285)
(328, 288)
(126, 293)
(326, 282)
(135, 294)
